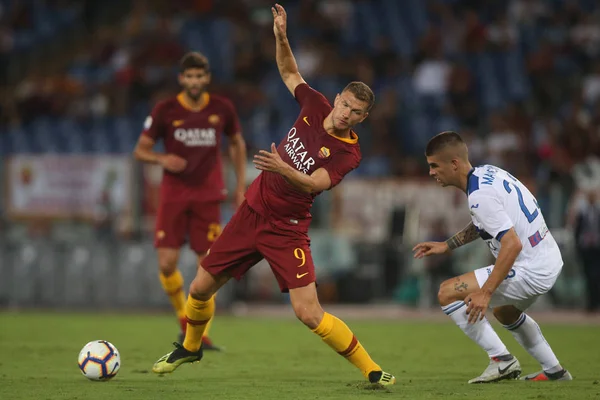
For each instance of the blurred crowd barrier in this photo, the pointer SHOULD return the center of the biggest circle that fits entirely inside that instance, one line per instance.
(81, 230)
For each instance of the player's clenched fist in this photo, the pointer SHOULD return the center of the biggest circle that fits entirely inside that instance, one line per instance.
(426, 249)
(279, 21)
(173, 163)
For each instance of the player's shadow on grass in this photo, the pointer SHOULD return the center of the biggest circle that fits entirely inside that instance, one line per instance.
(369, 386)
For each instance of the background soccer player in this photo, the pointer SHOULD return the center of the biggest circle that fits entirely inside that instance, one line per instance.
(191, 126)
(315, 155)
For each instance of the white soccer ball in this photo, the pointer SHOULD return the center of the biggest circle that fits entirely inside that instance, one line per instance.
(99, 360)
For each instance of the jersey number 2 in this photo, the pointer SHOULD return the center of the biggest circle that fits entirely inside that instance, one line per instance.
(530, 216)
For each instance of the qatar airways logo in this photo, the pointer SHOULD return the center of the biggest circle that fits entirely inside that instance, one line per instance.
(197, 137)
(296, 150)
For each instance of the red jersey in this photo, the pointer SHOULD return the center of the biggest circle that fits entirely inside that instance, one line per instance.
(195, 135)
(307, 147)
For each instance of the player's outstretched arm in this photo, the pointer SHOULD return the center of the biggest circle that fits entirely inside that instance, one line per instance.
(288, 69)
(467, 235)
(463, 237)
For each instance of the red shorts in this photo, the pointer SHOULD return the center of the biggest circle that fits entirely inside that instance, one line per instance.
(248, 238)
(195, 220)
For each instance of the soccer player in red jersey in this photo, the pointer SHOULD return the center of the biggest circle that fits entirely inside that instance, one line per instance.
(316, 153)
(192, 126)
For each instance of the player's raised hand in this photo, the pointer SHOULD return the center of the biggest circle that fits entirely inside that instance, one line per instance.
(426, 249)
(269, 161)
(279, 21)
(173, 163)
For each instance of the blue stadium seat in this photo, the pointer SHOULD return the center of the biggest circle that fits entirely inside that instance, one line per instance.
(221, 29)
(482, 67)
(67, 16)
(518, 86)
(23, 40)
(5, 143)
(445, 123)
(46, 22)
(19, 139)
(196, 34)
(124, 132)
(406, 91)
(101, 75)
(420, 131)
(72, 134)
(79, 71)
(374, 167)
(140, 111)
(400, 25)
(98, 136)
(370, 27)
(45, 139)
(257, 130)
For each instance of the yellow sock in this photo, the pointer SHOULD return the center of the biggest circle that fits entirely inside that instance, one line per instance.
(339, 337)
(173, 286)
(198, 313)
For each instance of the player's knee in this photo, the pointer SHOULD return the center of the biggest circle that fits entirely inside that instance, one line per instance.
(507, 315)
(205, 285)
(310, 314)
(446, 295)
(167, 263)
(199, 290)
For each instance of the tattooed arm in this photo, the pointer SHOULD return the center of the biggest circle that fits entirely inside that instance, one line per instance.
(463, 237)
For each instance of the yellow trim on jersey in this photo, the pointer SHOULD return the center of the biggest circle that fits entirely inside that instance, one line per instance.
(193, 107)
(352, 140)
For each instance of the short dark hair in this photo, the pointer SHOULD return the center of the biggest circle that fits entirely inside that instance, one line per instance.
(441, 141)
(194, 59)
(362, 92)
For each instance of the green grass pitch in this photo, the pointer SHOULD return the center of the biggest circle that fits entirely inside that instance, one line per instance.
(273, 359)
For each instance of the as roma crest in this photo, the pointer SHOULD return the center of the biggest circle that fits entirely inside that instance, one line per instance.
(214, 119)
(324, 152)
